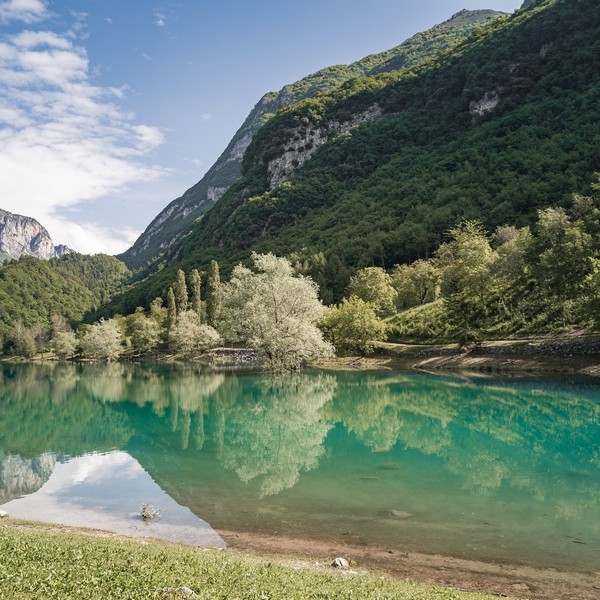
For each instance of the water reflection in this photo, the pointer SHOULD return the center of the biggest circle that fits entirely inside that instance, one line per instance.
(311, 451)
(105, 491)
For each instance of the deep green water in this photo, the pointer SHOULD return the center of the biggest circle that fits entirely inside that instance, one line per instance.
(492, 469)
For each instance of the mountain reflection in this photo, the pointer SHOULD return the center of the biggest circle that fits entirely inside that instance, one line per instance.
(537, 437)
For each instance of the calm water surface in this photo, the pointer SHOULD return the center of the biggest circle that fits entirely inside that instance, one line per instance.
(499, 470)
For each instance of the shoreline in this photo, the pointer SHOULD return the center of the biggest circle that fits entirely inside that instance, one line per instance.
(497, 579)
(463, 575)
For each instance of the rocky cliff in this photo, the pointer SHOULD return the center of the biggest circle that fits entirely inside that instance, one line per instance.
(179, 216)
(24, 236)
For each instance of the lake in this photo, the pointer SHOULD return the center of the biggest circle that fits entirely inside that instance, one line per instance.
(489, 468)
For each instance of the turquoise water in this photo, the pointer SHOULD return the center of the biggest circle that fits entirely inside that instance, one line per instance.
(492, 469)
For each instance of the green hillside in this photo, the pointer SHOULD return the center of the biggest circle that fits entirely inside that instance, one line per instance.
(32, 290)
(501, 126)
(180, 214)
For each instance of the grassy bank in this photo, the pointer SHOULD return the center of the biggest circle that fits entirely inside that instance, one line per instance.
(44, 561)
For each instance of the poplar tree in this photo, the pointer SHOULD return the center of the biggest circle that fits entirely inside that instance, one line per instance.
(171, 309)
(213, 294)
(181, 292)
(195, 283)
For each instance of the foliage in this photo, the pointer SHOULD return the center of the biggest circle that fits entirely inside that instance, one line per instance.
(274, 311)
(213, 294)
(195, 283)
(181, 292)
(33, 291)
(416, 284)
(353, 325)
(144, 332)
(102, 341)
(374, 285)
(64, 344)
(190, 335)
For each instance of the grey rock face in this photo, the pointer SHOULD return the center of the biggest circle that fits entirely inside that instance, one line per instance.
(24, 236)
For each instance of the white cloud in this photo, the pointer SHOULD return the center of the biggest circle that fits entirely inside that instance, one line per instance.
(64, 140)
(159, 19)
(28, 11)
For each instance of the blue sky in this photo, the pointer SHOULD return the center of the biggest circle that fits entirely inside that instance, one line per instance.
(110, 109)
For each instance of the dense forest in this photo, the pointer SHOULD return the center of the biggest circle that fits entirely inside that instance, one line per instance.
(32, 290)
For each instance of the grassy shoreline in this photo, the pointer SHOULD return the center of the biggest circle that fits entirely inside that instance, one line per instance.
(46, 561)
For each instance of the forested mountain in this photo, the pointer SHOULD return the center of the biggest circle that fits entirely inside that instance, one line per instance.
(179, 215)
(374, 172)
(24, 236)
(33, 290)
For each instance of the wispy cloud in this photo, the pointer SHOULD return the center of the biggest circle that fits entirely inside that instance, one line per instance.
(64, 140)
(160, 20)
(27, 11)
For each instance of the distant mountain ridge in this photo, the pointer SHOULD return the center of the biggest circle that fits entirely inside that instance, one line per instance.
(179, 215)
(24, 236)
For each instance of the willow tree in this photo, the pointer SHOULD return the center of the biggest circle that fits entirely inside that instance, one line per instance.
(274, 311)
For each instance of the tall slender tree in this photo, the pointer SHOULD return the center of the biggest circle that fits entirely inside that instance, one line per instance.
(181, 292)
(213, 294)
(195, 283)
(171, 309)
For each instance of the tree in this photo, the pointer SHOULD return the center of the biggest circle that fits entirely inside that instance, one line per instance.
(213, 294)
(276, 312)
(196, 302)
(144, 332)
(466, 263)
(190, 335)
(64, 344)
(181, 292)
(23, 340)
(374, 285)
(416, 284)
(353, 325)
(171, 309)
(103, 341)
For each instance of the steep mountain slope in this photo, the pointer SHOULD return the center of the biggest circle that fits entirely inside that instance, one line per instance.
(376, 171)
(179, 215)
(24, 236)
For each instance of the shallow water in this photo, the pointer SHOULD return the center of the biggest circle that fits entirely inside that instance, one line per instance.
(495, 469)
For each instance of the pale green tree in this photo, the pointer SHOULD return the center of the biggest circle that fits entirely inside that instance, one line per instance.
(64, 344)
(23, 340)
(276, 312)
(353, 325)
(103, 341)
(144, 332)
(374, 285)
(213, 294)
(189, 335)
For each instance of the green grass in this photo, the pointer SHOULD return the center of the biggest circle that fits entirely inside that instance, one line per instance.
(40, 563)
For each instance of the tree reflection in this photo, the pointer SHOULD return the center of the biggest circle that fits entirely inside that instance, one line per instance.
(276, 429)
